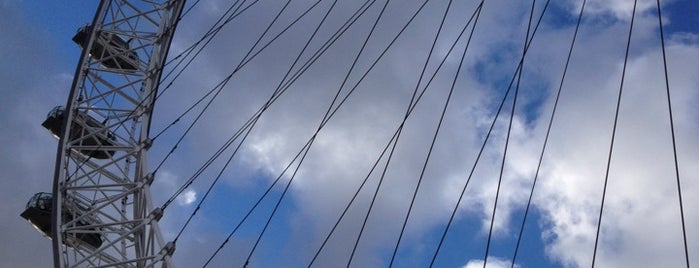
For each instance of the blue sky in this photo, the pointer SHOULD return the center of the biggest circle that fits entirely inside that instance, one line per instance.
(641, 224)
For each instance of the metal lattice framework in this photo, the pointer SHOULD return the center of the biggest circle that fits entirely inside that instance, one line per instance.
(103, 213)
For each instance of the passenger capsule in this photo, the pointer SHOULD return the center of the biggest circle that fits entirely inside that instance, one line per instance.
(38, 213)
(109, 49)
(83, 125)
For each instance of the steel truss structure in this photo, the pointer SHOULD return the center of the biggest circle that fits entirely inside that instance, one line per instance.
(102, 213)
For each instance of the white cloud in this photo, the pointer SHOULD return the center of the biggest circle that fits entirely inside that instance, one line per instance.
(493, 262)
(619, 9)
(187, 197)
(641, 203)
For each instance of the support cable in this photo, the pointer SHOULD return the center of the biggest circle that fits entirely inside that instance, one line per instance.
(322, 123)
(672, 131)
(298, 74)
(346, 97)
(206, 39)
(351, 91)
(485, 141)
(611, 145)
(548, 131)
(305, 151)
(248, 57)
(212, 31)
(261, 110)
(359, 235)
(190, 8)
(507, 138)
(220, 87)
(307, 144)
(254, 122)
(391, 142)
(439, 125)
(279, 201)
(229, 159)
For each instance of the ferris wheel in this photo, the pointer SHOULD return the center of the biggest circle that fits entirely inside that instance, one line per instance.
(100, 212)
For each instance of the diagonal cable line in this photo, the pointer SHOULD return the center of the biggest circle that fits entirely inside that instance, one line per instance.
(305, 147)
(322, 123)
(213, 31)
(507, 139)
(356, 85)
(220, 88)
(305, 150)
(371, 32)
(229, 159)
(392, 141)
(611, 144)
(261, 110)
(190, 8)
(548, 131)
(439, 125)
(672, 131)
(485, 141)
(248, 57)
